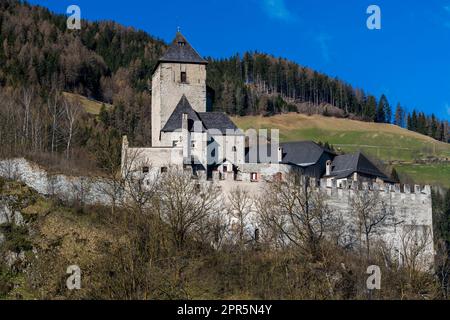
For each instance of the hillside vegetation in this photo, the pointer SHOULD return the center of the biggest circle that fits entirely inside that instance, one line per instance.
(136, 252)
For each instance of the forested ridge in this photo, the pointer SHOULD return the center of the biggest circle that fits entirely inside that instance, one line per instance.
(40, 58)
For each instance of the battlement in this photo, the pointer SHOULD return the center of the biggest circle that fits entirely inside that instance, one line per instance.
(235, 177)
(373, 186)
(324, 183)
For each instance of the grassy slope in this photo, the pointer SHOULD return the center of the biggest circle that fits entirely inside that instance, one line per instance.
(387, 142)
(70, 236)
(90, 106)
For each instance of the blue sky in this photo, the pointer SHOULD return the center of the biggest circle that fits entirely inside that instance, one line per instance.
(408, 59)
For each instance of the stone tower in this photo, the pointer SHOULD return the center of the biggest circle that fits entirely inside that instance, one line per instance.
(180, 71)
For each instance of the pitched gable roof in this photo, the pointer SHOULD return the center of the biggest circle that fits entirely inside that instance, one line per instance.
(219, 121)
(175, 120)
(181, 51)
(302, 153)
(345, 165)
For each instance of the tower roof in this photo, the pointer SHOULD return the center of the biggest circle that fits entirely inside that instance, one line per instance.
(175, 123)
(181, 51)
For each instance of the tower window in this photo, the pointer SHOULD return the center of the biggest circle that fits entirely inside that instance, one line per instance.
(181, 43)
(183, 77)
(234, 149)
(145, 169)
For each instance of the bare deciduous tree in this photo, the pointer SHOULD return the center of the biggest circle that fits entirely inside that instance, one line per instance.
(72, 112)
(185, 203)
(370, 212)
(414, 242)
(56, 113)
(293, 211)
(240, 208)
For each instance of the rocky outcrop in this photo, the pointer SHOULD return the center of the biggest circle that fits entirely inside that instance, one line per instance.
(84, 189)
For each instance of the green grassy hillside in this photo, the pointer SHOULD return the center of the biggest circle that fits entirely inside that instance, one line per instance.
(392, 144)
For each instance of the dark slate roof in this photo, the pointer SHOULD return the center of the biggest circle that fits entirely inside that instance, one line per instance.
(210, 120)
(175, 120)
(218, 120)
(345, 165)
(302, 153)
(181, 51)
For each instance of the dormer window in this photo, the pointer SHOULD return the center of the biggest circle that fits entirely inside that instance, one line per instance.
(183, 77)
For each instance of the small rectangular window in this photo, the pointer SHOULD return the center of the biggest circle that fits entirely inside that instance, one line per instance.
(193, 144)
(234, 149)
(183, 77)
(145, 169)
(254, 176)
(174, 143)
(163, 169)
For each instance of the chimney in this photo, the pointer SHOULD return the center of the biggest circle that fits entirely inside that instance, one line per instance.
(184, 121)
(280, 154)
(328, 168)
(185, 137)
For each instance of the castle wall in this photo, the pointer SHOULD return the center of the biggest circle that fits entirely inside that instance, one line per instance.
(265, 171)
(223, 146)
(196, 144)
(154, 157)
(409, 221)
(406, 230)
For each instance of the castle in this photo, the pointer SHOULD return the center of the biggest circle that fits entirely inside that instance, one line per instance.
(186, 135)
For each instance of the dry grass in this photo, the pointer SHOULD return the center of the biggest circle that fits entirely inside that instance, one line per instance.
(294, 121)
(90, 106)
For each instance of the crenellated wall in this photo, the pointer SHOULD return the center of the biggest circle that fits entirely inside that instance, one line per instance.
(407, 225)
(409, 221)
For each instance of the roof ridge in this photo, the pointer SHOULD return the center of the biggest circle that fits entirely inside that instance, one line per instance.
(188, 43)
(180, 50)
